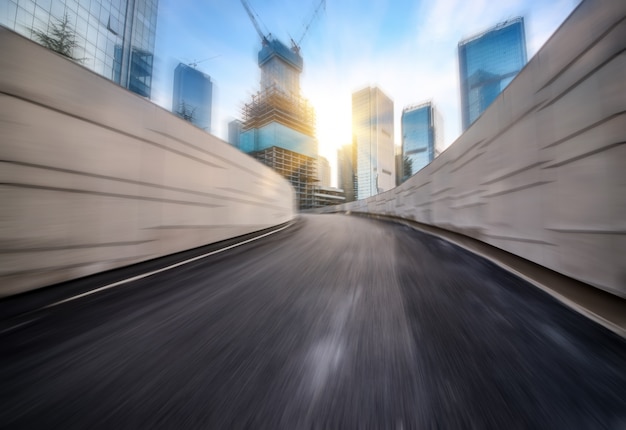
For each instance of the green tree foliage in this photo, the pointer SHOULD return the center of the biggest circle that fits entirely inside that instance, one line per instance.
(407, 167)
(60, 38)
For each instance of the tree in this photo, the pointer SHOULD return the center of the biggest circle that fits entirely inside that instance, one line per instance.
(186, 112)
(60, 38)
(407, 167)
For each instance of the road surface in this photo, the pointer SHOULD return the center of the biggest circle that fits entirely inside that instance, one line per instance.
(338, 322)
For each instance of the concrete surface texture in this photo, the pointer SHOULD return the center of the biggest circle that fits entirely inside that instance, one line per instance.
(94, 177)
(541, 173)
(335, 323)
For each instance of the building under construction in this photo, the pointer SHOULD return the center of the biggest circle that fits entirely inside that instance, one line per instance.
(273, 105)
(278, 124)
(300, 170)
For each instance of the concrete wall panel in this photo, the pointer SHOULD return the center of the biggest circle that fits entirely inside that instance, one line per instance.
(93, 177)
(541, 173)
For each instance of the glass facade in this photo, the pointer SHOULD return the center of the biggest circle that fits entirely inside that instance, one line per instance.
(234, 132)
(115, 38)
(345, 171)
(280, 67)
(275, 134)
(193, 93)
(372, 130)
(419, 138)
(323, 171)
(487, 64)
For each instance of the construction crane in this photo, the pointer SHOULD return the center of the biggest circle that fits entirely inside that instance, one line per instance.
(195, 63)
(295, 46)
(264, 38)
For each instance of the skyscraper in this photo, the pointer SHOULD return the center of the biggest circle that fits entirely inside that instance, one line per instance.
(234, 131)
(114, 38)
(279, 124)
(323, 172)
(346, 179)
(488, 62)
(420, 137)
(193, 94)
(399, 169)
(372, 130)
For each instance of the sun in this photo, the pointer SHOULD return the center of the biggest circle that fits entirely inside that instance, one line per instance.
(334, 122)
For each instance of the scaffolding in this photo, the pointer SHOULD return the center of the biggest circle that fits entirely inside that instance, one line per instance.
(300, 170)
(272, 105)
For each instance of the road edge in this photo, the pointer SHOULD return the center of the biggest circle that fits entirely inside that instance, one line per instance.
(604, 308)
(27, 302)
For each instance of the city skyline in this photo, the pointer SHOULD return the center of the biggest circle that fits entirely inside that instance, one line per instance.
(407, 49)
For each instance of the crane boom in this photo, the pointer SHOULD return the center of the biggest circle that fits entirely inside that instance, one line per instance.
(254, 22)
(306, 29)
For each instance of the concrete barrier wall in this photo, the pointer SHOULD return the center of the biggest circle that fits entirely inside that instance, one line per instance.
(94, 177)
(542, 173)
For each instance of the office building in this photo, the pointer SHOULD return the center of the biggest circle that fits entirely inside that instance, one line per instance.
(421, 140)
(323, 172)
(327, 196)
(488, 62)
(372, 129)
(113, 38)
(278, 126)
(193, 94)
(399, 169)
(346, 176)
(300, 170)
(234, 131)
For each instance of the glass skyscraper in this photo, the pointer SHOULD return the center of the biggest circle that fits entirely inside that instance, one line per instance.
(372, 131)
(323, 171)
(234, 131)
(420, 137)
(346, 156)
(115, 38)
(193, 94)
(488, 62)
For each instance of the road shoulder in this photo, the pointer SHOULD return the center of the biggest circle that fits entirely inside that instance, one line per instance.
(600, 306)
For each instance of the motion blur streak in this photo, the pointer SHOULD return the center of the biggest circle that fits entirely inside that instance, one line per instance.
(172, 266)
(338, 322)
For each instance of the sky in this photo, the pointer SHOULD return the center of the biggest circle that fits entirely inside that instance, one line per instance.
(406, 48)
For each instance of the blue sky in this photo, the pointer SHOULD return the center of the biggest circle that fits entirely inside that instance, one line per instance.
(406, 48)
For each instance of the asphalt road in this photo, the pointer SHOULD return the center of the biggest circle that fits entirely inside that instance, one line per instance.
(339, 322)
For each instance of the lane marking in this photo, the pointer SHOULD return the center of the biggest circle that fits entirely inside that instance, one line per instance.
(16, 326)
(154, 272)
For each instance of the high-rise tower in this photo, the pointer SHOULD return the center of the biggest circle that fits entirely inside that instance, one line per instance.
(372, 130)
(193, 94)
(278, 126)
(421, 137)
(488, 62)
(234, 131)
(346, 175)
